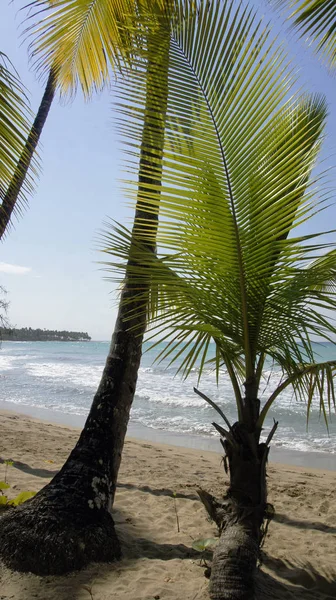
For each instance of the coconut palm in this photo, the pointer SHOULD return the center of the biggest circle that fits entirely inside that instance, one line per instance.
(12, 197)
(230, 267)
(14, 129)
(74, 510)
(81, 54)
(316, 21)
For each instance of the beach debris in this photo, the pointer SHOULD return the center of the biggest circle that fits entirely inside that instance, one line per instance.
(202, 545)
(8, 463)
(176, 513)
(19, 499)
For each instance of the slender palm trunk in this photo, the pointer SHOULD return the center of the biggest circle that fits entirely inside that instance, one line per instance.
(68, 523)
(9, 201)
(241, 514)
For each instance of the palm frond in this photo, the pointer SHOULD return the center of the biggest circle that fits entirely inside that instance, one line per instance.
(15, 125)
(240, 147)
(308, 381)
(316, 21)
(80, 39)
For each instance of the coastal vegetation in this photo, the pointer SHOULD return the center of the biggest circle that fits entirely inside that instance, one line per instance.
(3, 308)
(64, 67)
(315, 20)
(231, 268)
(27, 334)
(15, 117)
(223, 147)
(13, 195)
(86, 484)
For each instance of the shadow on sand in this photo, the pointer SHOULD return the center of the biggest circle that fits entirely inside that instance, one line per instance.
(136, 545)
(45, 473)
(300, 580)
(157, 491)
(282, 518)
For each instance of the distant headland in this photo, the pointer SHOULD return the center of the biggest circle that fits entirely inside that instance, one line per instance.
(27, 334)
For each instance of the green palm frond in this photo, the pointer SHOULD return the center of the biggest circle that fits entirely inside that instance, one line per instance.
(308, 381)
(81, 40)
(239, 153)
(316, 21)
(14, 129)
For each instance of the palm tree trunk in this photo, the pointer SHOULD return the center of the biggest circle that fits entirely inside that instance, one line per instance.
(15, 186)
(239, 516)
(68, 523)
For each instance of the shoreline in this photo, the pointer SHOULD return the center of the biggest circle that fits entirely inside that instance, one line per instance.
(156, 483)
(283, 456)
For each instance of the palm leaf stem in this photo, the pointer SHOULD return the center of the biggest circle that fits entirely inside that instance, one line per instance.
(215, 406)
(235, 385)
(260, 366)
(309, 369)
(247, 349)
(228, 435)
(271, 433)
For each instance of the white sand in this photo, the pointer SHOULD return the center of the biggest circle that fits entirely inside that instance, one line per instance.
(299, 553)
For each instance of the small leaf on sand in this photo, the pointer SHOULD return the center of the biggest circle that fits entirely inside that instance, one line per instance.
(202, 544)
(22, 497)
(4, 485)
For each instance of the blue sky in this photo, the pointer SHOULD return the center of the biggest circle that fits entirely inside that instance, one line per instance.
(48, 262)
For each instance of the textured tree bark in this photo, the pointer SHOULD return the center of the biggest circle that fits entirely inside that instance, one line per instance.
(239, 517)
(234, 564)
(69, 523)
(9, 201)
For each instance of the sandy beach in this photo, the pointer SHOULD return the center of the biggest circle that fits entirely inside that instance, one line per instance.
(299, 554)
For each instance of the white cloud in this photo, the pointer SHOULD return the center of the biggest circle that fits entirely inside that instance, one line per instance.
(14, 269)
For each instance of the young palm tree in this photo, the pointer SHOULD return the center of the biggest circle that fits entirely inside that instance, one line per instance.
(239, 152)
(316, 20)
(74, 510)
(14, 130)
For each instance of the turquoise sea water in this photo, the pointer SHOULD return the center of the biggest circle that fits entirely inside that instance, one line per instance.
(63, 376)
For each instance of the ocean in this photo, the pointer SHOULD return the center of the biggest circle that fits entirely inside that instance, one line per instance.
(63, 376)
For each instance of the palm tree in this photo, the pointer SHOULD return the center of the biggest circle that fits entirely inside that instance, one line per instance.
(70, 60)
(13, 194)
(230, 268)
(14, 129)
(316, 20)
(74, 510)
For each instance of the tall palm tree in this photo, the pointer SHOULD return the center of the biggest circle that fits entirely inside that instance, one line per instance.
(316, 21)
(15, 118)
(230, 268)
(82, 53)
(12, 197)
(74, 510)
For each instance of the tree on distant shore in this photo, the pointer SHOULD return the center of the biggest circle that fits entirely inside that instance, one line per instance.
(3, 309)
(29, 334)
(231, 267)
